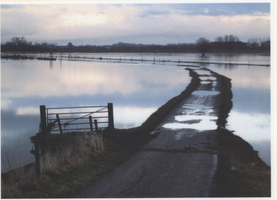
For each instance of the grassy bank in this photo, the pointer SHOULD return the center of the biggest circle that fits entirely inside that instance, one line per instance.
(241, 172)
(72, 152)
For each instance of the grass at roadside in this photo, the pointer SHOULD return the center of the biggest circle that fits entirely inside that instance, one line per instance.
(73, 151)
(241, 172)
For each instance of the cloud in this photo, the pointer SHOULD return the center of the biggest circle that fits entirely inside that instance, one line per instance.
(137, 23)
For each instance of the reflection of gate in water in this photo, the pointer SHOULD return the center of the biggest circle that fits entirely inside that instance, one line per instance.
(76, 119)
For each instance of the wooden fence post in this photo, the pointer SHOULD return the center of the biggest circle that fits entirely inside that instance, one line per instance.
(59, 123)
(42, 118)
(96, 125)
(37, 157)
(90, 123)
(110, 116)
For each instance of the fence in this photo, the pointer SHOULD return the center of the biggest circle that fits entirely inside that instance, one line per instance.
(70, 119)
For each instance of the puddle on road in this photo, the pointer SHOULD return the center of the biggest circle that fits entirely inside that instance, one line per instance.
(195, 116)
(206, 82)
(205, 93)
(203, 72)
(203, 125)
(206, 78)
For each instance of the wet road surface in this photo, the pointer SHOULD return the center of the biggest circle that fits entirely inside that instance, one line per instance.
(181, 160)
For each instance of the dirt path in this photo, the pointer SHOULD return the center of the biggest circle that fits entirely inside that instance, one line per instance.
(181, 161)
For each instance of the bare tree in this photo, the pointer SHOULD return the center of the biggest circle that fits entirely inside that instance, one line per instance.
(203, 45)
(69, 45)
(19, 41)
(232, 38)
(226, 38)
(219, 39)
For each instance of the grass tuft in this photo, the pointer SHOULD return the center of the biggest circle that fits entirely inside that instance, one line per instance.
(73, 151)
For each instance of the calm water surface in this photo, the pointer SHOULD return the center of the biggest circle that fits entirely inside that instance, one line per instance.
(136, 89)
(250, 116)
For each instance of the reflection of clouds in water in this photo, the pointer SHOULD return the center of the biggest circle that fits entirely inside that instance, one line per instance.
(251, 100)
(203, 72)
(255, 129)
(27, 111)
(204, 124)
(251, 127)
(205, 82)
(205, 78)
(13, 124)
(191, 120)
(246, 76)
(5, 103)
(131, 116)
(87, 78)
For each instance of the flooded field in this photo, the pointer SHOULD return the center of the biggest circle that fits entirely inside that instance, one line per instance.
(136, 88)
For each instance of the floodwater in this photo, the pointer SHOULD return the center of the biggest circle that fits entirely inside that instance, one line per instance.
(200, 114)
(250, 117)
(136, 88)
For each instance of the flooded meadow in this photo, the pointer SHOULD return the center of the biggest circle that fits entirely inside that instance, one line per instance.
(136, 86)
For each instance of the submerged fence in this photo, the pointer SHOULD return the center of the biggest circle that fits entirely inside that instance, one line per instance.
(116, 59)
(162, 60)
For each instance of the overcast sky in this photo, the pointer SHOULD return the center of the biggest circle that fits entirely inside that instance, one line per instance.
(101, 24)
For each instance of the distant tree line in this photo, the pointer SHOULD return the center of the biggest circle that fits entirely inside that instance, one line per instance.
(227, 43)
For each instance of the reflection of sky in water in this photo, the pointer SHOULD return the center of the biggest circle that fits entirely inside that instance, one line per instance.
(250, 115)
(191, 119)
(205, 93)
(204, 124)
(205, 78)
(200, 123)
(90, 83)
(136, 90)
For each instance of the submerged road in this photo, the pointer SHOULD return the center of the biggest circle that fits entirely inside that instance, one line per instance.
(181, 161)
